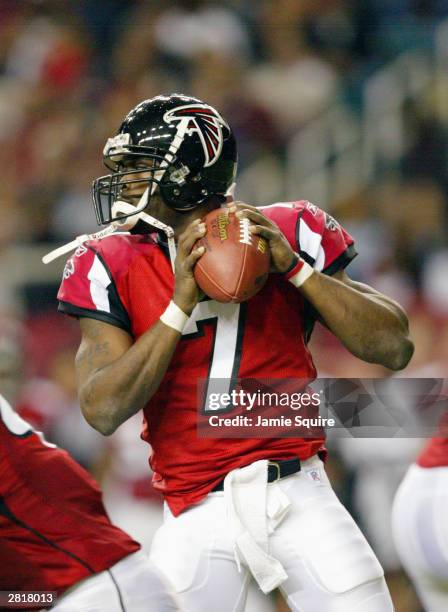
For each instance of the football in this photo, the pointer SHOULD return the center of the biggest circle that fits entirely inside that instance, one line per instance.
(235, 264)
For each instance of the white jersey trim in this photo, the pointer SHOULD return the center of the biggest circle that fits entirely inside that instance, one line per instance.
(310, 243)
(99, 282)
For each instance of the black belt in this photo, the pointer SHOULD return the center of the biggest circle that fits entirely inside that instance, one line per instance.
(276, 470)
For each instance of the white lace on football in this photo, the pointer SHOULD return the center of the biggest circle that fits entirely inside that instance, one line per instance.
(245, 235)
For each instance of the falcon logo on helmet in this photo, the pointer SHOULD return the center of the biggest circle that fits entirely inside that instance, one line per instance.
(203, 120)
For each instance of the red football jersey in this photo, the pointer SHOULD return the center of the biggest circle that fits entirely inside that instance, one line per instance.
(434, 453)
(54, 530)
(127, 281)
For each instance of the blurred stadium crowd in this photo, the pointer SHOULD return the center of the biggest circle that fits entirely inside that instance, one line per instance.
(69, 72)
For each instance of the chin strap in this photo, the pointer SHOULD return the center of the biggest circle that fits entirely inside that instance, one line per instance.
(123, 225)
(79, 241)
(125, 208)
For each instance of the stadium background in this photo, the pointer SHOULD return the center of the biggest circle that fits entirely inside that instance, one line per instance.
(340, 102)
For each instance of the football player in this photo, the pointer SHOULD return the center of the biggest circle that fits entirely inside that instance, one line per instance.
(419, 523)
(55, 535)
(236, 509)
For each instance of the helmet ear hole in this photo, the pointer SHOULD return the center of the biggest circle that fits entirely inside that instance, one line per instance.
(183, 198)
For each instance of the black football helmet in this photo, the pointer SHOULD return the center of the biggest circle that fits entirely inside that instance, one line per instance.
(192, 153)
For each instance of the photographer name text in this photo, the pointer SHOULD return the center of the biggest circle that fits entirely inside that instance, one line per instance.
(259, 421)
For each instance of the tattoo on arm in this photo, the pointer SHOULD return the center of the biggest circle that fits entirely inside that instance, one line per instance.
(90, 356)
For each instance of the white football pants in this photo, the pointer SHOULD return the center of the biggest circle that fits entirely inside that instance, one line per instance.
(420, 528)
(131, 585)
(326, 562)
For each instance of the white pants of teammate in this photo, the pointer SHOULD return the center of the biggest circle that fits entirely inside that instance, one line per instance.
(420, 528)
(131, 585)
(329, 564)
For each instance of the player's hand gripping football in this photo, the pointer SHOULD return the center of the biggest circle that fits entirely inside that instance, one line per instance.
(186, 291)
(282, 255)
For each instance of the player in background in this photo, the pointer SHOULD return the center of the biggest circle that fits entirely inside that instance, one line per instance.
(236, 509)
(55, 534)
(419, 523)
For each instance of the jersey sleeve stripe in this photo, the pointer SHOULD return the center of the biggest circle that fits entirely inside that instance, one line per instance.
(342, 261)
(99, 282)
(78, 312)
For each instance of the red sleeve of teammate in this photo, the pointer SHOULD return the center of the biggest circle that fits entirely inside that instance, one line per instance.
(314, 235)
(54, 528)
(88, 289)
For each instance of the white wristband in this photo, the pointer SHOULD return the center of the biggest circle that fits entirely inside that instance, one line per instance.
(302, 275)
(174, 317)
